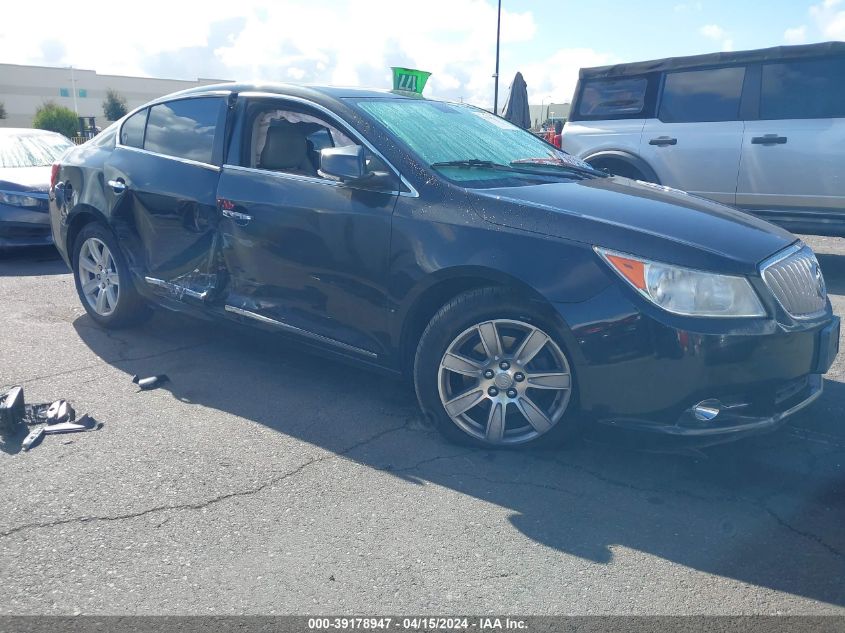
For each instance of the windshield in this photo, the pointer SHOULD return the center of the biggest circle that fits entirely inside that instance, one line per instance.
(31, 150)
(440, 133)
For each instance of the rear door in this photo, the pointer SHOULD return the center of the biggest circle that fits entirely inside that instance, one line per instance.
(694, 143)
(305, 253)
(161, 180)
(793, 156)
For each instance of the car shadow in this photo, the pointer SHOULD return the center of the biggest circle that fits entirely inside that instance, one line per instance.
(766, 511)
(31, 262)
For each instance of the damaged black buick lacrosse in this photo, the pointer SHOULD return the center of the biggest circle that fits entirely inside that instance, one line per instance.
(524, 292)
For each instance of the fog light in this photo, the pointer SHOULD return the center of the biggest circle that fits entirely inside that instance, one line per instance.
(706, 410)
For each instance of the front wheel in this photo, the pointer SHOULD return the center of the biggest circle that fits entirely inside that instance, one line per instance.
(103, 281)
(490, 372)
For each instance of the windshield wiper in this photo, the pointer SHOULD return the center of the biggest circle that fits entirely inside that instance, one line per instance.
(471, 162)
(544, 162)
(516, 167)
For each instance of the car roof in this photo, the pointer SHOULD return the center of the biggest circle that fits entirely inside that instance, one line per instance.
(317, 93)
(775, 53)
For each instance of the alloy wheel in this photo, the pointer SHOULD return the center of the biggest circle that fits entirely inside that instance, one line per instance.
(98, 276)
(504, 382)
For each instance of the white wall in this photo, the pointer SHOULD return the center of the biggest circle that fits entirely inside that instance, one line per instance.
(24, 88)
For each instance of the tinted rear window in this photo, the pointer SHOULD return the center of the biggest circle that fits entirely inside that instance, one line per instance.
(813, 89)
(184, 128)
(613, 97)
(702, 95)
(132, 132)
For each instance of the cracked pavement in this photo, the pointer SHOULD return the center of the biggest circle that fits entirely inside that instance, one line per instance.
(266, 480)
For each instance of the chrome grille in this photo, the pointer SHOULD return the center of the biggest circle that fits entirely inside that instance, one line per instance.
(797, 282)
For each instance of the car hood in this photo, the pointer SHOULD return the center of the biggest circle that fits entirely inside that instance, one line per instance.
(35, 179)
(638, 218)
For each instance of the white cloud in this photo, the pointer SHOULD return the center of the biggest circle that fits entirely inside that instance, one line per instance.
(717, 33)
(829, 17)
(340, 42)
(796, 35)
(553, 79)
(712, 31)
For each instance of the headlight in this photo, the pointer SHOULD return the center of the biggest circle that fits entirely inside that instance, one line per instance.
(18, 200)
(685, 291)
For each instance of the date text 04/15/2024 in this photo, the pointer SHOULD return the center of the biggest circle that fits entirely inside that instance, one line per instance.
(426, 623)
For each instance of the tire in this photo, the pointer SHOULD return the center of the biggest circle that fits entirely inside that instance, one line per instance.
(516, 396)
(112, 302)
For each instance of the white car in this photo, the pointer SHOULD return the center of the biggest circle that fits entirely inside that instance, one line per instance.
(762, 130)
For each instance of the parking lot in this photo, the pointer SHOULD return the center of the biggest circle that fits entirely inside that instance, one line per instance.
(264, 479)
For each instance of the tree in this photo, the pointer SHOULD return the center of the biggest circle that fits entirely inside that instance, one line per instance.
(114, 105)
(2, 110)
(51, 116)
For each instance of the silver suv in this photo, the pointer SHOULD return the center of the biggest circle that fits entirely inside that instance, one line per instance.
(762, 130)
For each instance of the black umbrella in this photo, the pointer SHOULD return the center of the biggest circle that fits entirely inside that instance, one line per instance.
(516, 110)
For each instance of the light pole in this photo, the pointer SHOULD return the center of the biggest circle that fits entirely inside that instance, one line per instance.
(73, 88)
(496, 74)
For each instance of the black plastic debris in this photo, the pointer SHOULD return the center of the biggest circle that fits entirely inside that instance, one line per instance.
(44, 418)
(151, 382)
(11, 411)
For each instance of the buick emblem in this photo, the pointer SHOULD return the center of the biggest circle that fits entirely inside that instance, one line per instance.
(820, 286)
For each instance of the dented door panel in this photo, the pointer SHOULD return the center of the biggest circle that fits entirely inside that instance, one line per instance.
(307, 255)
(168, 216)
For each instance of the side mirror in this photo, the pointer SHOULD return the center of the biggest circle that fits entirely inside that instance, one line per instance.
(348, 164)
(345, 163)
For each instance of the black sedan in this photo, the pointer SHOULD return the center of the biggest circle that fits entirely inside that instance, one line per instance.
(25, 159)
(523, 292)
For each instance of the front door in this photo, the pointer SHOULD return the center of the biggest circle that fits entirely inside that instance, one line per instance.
(695, 142)
(304, 253)
(162, 178)
(793, 156)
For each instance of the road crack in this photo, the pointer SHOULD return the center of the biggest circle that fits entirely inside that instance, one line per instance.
(208, 502)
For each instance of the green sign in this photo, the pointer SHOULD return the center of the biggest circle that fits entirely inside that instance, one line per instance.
(409, 79)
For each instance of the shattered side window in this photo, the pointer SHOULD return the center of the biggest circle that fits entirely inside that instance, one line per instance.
(290, 142)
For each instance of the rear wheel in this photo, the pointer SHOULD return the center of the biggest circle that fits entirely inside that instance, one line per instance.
(103, 281)
(490, 372)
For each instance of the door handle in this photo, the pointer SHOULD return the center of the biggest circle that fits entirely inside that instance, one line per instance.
(663, 140)
(768, 139)
(237, 216)
(118, 185)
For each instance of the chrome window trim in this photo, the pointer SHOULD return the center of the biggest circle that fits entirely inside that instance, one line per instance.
(411, 193)
(151, 104)
(786, 253)
(187, 161)
(299, 177)
(297, 330)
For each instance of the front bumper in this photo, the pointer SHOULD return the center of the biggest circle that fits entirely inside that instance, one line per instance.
(732, 421)
(24, 227)
(648, 371)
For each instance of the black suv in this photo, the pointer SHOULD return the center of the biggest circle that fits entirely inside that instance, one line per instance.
(520, 288)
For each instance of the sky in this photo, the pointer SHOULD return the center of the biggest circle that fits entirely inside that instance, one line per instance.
(354, 42)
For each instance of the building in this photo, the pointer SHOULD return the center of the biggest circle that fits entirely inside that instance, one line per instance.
(24, 88)
(546, 111)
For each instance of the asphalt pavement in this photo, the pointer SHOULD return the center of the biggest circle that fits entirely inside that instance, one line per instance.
(264, 479)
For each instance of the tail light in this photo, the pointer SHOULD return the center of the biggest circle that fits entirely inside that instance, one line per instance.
(54, 175)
